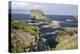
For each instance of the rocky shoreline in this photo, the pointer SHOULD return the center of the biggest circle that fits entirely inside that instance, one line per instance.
(42, 34)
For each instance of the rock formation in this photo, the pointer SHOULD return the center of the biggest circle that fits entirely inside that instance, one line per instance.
(38, 14)
(67, 40)
(19, 37)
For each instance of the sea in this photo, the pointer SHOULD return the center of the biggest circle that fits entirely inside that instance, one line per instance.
(65, 20)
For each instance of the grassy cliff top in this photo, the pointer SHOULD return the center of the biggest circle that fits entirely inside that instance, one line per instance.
(23, 26)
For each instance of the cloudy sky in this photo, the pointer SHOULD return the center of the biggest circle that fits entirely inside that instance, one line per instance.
(19, 7)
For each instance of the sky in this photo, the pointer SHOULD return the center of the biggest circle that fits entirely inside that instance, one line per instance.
(19, 7)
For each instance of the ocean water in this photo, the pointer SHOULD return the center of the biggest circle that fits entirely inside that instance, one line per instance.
(20, 16)
(52, 17)
(65, 20)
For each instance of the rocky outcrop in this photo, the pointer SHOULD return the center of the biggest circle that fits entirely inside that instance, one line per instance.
(68, 43)
(75, 17)
(67, 40)
(38, 14)
(22, 36)
(19, 36)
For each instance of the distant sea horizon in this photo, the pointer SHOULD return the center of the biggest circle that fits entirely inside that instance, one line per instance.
(65, 20)
(52, 17)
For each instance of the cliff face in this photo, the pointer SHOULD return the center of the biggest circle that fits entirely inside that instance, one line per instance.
(21, 40)
(67, 40)
(22, 36)
(68, 43)
(38, 14)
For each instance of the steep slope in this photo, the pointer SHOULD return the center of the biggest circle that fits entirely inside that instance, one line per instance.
(69, 43)
(22, 37)
(67, 40)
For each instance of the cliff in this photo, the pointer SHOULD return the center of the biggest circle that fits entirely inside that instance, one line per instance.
(22, 37)
(67, 40)
(68, 43)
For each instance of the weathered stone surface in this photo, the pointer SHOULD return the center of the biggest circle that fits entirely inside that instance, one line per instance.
(68, 43)
(38, 14)
(22, 37)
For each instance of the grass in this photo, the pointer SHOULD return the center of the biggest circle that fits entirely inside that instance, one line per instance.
(21, 25)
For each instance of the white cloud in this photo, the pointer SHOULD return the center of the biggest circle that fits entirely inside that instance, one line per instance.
(36, 7)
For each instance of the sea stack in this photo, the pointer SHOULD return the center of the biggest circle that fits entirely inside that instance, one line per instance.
(38, 14)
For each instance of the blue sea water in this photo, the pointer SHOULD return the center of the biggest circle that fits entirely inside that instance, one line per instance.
(65, 20)
(52, 17)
